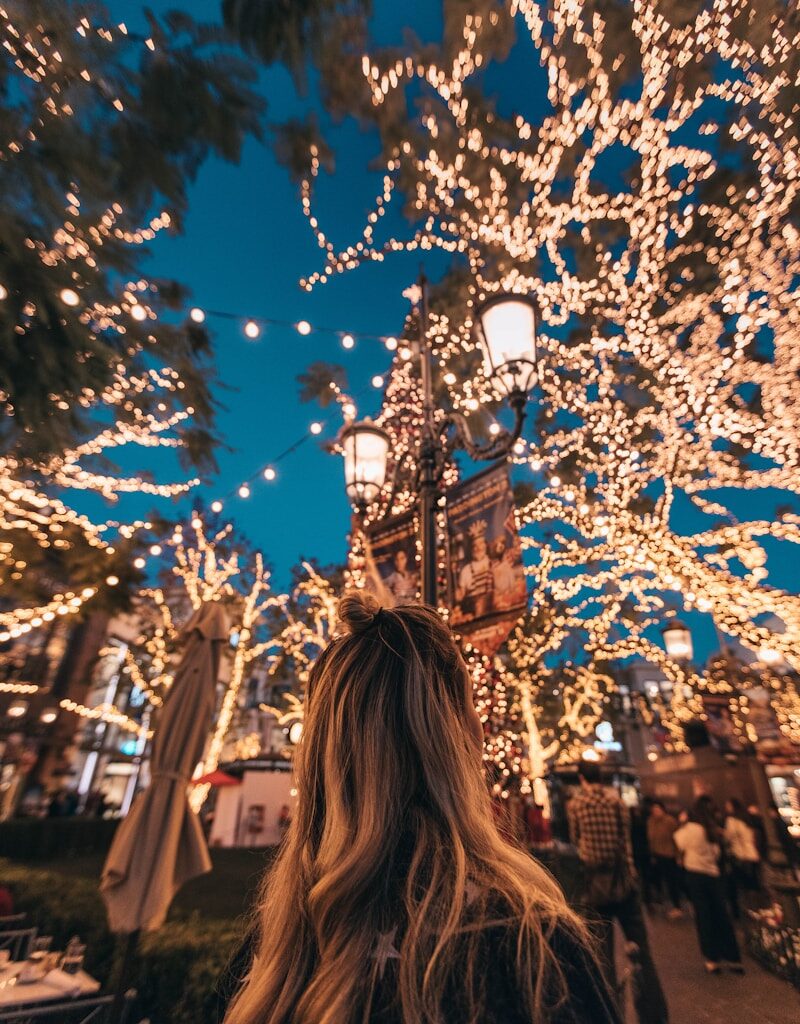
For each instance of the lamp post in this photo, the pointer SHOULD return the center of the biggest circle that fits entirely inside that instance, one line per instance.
(678, 641)
(506, 332)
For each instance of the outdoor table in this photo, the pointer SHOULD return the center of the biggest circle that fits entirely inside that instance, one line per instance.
(13, 993)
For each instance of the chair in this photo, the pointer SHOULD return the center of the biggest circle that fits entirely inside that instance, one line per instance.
(18, 942)
(12, 921)
(83, 1010)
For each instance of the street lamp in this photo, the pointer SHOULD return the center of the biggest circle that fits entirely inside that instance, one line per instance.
(769, 656)
(506, 328)
(365, 448)
(677, 640)
(507, 335)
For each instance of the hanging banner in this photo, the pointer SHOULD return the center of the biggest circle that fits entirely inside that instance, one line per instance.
(392, 568)
(488, 593)
(720, 726)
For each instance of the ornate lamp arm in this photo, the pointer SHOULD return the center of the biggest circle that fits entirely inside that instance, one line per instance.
(496, 448)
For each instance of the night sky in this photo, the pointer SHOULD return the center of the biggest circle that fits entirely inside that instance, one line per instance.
(246, 245)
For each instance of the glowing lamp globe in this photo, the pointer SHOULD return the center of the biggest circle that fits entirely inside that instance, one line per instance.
(365, 448)
(769, 656)
(677, 640)
(507, 335)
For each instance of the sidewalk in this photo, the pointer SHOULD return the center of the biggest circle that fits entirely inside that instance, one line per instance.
(695, 997)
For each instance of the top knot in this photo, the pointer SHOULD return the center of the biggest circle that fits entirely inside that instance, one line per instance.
(358, 610)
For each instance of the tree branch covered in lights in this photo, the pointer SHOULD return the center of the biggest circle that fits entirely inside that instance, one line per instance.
(45, 541)
(100, 133)
(645, 194)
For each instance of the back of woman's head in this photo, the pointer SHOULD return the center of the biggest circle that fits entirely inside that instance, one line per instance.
(393, 831)
(704, 812)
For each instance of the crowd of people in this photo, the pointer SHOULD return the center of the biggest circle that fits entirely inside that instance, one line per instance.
(701, 857)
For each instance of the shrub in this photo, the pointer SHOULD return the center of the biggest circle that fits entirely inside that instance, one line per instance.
(180, 966)
(37, 839)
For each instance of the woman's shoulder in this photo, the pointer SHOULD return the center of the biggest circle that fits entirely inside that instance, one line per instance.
(575, 988)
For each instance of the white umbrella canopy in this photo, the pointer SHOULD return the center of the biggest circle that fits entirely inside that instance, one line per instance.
(160, 844)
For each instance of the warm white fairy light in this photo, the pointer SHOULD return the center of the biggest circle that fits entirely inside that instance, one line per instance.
(107, 713)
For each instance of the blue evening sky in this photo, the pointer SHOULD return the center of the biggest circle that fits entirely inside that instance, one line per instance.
(245, 246)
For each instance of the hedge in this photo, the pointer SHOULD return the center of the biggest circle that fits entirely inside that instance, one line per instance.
(177, 967)
(37, 839)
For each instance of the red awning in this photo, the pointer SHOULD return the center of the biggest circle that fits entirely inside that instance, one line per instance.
(217, 778)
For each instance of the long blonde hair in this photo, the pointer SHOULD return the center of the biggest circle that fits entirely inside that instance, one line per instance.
(393, 830)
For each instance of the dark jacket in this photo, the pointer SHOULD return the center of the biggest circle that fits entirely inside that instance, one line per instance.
(588, 1000)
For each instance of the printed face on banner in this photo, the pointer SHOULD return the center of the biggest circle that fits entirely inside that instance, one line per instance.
(487, 580)
(391, 561)
(719, 724)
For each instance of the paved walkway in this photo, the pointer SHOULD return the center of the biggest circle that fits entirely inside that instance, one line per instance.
(697, 998)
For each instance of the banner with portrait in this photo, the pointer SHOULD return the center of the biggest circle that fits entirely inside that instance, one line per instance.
(720, 725)
(392, 569)
(487, 586)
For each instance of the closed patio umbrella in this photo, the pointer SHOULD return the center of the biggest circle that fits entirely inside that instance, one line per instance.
(160, 845)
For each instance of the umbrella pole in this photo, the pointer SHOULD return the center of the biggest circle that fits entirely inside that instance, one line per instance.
(123, 969)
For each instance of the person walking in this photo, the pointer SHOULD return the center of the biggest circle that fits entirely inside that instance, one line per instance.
(394, 899)
(743, 856)
(661, 827)
(700, 844)
(599, 827)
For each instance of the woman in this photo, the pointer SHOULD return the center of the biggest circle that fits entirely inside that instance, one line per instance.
(740, 838)
(699, 842)
(394, 899)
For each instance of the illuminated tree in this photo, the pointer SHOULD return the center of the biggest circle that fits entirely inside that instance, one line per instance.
(650, 209)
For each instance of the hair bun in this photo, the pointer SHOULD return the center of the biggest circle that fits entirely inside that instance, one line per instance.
(357, 610)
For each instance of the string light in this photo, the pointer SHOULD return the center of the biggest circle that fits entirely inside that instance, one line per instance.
(252, 330)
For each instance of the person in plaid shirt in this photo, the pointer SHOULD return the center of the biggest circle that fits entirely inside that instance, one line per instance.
(599, 825)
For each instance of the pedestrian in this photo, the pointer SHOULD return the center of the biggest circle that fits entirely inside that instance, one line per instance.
(743, 856)
(661, 828)
(284, 820)
(755, 820)
(700, 844)
(642, 860)
(600, 829)
(394, 898)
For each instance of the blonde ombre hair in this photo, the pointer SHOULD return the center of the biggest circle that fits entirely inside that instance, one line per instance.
(394, 830)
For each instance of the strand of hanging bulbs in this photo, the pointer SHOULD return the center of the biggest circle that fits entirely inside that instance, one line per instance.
(107, 713)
